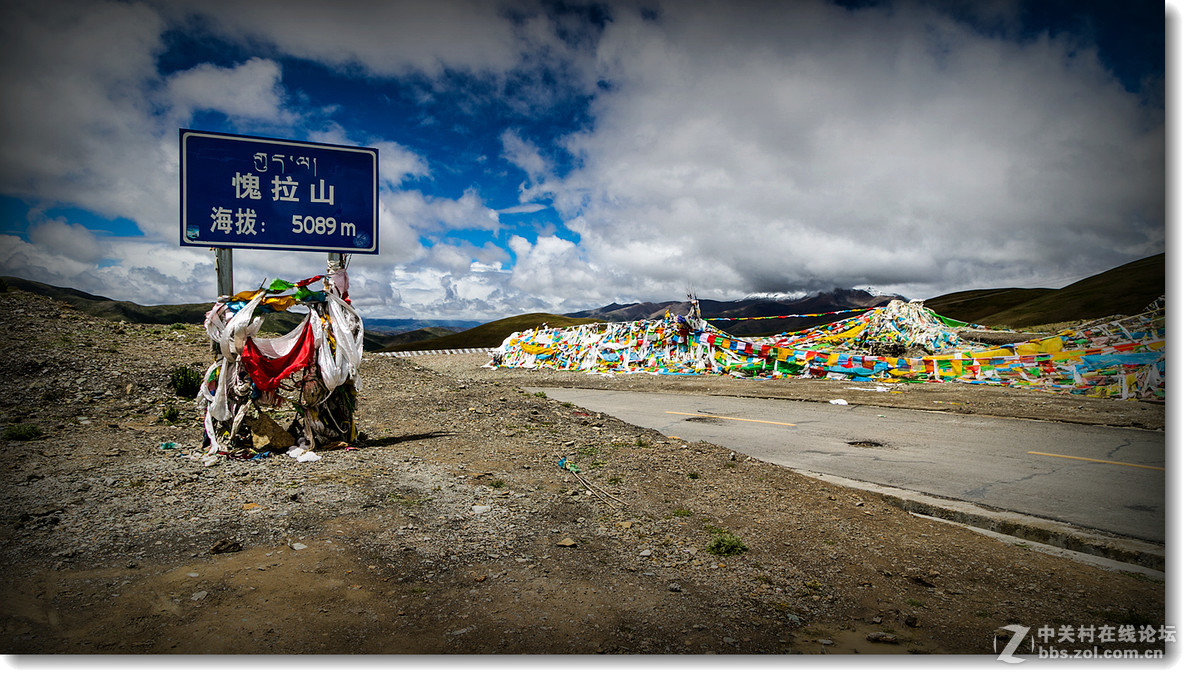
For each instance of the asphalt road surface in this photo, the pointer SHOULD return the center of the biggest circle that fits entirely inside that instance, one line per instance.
(1106, 478)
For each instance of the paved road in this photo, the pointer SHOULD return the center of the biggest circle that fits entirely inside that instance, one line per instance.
(1106, 478)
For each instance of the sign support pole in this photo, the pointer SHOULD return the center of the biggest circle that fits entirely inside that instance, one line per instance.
(224, 271)
(333, 263)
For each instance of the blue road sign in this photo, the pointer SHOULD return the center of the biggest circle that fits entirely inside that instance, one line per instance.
(274, 194)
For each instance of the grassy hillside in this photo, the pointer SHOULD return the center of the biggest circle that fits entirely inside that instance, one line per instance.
(491, 334)
(189, 313)
(415, 336)
(115, 311)
(1124, 290)
(977, 305)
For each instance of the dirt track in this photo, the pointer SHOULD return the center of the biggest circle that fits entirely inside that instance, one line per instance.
(452, 528)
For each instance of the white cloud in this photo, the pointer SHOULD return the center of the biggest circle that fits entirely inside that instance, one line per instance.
(790, 147)
(73, 241)
(523, 209)
(435, 215)
(251, 90)
(524, 155)
(398, 164)
(387, 38)
(73, 116)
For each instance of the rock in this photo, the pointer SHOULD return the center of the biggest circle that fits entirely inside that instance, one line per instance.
(298, 546)
(480, 510)
(199, 596)
(883, 638)
(266, 434)
(225, 546)
(567, 542)
(674, 587)
(645, 552)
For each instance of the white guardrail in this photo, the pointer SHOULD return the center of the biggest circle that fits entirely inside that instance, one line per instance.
(447, 351)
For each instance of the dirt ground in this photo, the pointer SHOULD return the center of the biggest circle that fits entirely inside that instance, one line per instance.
(452, 528)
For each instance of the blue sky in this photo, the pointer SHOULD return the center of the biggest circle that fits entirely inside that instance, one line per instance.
(555, 156)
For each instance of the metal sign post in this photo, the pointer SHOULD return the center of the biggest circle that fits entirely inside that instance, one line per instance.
(334, 262)
(224, 271)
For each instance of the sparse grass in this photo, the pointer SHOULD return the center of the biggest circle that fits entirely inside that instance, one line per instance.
(814, 585)
(185, 381)
(693, 475)
(22, 432)
(681, 512)
(915, 603)
(496, 484)
(614, 481)
(642, 443)
(169, 414)
(726, 544)
(540, 394)
(596, 464)
(406, 501)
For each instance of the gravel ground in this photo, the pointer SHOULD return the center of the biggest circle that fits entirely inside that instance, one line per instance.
(452, 529)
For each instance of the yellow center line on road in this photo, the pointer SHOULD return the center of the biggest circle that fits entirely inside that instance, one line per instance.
(739, 419)
(1097, 460)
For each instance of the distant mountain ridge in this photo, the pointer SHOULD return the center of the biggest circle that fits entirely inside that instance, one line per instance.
(832, 301)
(491, 334)
(193, 313)
(1123, 290)
(115, 311)
(400, 325)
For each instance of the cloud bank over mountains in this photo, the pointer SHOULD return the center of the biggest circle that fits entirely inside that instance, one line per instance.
(557, 157)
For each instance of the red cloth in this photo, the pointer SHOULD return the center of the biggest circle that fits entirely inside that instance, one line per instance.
(267, 373)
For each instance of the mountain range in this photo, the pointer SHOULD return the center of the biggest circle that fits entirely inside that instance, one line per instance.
(1124, 290)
